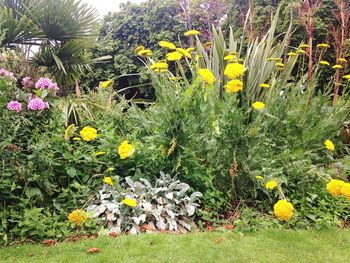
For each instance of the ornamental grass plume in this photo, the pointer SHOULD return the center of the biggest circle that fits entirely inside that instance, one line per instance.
(14, 106)
(125, 150)
(129, 202)
(234, 86)
(88, 133)
(283, 210)
(334, 187)
(207, 76)
(234, 70)
(78, 217)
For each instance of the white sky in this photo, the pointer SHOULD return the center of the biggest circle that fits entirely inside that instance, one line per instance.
(105, 6)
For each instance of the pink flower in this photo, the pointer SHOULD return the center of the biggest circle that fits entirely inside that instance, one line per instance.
(46, 83)
(37, 104)
(14, 105)
(6, 74)
(27, 82)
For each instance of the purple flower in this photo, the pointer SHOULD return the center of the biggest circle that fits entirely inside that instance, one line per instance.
(6, 74)
(14, 105)
(27, 82)
(46, 83)
(37, 104)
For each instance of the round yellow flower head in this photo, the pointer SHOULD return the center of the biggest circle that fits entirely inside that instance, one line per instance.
(77, 217)
(324, 62)
(334, 187)
(342, 60)
(100, 153)
(88, 133)
(275, 59)
(329, 145)
(207, 76)
(345, 191)
(190, 49)
(138, 49)
(234, 70)
(323, 45)
(264, 85)
(271, 184)
(337, 66)
(283, 210)
(108, 180)
(167, 45)
(234, 86)
(129, 202)
(160, 67)
(173, 56)
(258, 105)
(76, 139)
(279, 64)
(300, 51)
(259, 177)
(69, 132)
(304, 46)
(125, 150)
(192, 33)
(145, 53)
(229, 57)
(184, 52)
(106, 84)
(292, 54)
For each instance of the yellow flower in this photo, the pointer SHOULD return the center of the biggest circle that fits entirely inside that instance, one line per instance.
(299, 51)
(76, 139)
(324, 62)
(275, 59)
(279, 64)
(258, 105)
(342, 60)
(100, 153)
(334, 187)
(207, 44)
(234, 70)
(108, 180)
(129, 202)
(234, 86)
(138, 49)
(304, 46)
(106, 84)
(110, 169)
(207, 76)
(191, 33)
(337, 66)
(283, 210)
(329, 145)
(323, 45)
(77, 217)
(292, 54)
(172, 56)
(172, 146)
(167, 45)
(271, 184)
(264, 85)
(184, 52)
(160, 67)
(190, 49)
(347, 77)
(259, 177)
(88, 133)
(345, 191)
(125, 150)
(69, 132)
(229, 57)
(145, 53)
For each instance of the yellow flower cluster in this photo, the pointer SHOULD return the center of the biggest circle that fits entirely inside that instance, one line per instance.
(167, 45)
(184, 52)
(207, 76)
(324, 62)
(234, 70)
(304, 46)
(283, 210)
(271, 184)
(338, 187)
(337, 66)
(107, 84)
(258, 105)
(125, 150)
(129, 202)
(234, 86)
(160, 67)
(77, 217)
(192, 33)
(172, 147)
(108, 180)
(264, 85)
(174, 56)
(329, 145)
(88, 133)
(323, 45)
(292, 54)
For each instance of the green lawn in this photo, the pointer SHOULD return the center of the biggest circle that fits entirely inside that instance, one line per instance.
(280, 246)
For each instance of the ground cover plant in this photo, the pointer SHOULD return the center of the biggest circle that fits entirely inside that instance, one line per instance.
(240, 133)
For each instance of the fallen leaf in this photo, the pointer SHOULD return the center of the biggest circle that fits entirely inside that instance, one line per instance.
(93, 250)
(220, 239)
(113, 234)
(229, 227)
(49, 242)
(148, 227)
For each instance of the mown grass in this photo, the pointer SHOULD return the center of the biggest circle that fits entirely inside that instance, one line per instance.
(265, 246)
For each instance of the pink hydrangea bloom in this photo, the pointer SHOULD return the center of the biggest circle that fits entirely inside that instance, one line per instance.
(7, 74)
(14, 105)
(27, 82)
(37, 104)
(46, 83)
